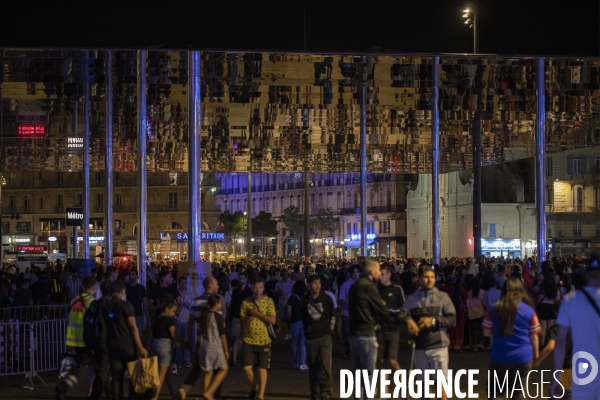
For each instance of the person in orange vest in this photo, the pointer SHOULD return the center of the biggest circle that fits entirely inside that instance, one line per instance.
(74, 341)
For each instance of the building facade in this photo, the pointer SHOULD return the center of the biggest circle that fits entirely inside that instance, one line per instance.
(573, 201)
(340, 192)
(508, 213)
(41, 198)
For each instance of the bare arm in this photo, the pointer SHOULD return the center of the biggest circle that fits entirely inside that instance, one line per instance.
(179, 304)
(535, 345)
(136, 336)
(146, 310)
(544, 353)
(223, 308)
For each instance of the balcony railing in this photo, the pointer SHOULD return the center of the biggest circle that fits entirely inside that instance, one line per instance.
(373, 210)
(573, 208)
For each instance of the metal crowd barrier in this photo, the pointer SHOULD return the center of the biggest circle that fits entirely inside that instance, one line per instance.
(28, 348)
(34, 313)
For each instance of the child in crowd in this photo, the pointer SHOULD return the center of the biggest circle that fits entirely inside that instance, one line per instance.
(164, 336)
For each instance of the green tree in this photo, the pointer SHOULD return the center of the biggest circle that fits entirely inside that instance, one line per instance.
(327, 221)
(264, 226)
(234, 224)
(293, 220)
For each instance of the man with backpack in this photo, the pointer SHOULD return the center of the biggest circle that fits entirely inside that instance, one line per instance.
(75, 341)
(94, 337)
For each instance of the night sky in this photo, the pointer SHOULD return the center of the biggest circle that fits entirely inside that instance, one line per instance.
(506, 26)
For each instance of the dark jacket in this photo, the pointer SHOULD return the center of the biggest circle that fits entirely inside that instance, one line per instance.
(431, 303)
(366, 307)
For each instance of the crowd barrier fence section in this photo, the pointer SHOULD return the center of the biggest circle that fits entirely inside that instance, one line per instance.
(34, 313)
(29, 348)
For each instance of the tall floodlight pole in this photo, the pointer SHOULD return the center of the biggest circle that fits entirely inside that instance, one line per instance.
(540, 123)
(86, 157)
(108, 163)
(471, 16)
(363, 158)
(194, 162)
(142, 195)
(435, 171)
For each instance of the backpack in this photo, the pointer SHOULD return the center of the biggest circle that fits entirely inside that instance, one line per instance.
(94, 327)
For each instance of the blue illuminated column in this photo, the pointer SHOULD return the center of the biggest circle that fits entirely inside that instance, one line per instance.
(86, 157)
(540, 123)
(194, 153)
(142, 195)
(108, 164)
(75, 134)
(435, 170)
(363, 158)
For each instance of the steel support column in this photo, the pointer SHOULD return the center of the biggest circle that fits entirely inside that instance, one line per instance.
(477, 184)
(75, 134)
(435, 171)
(194, 164)
(363, 158)
(108, 164)
(86, 158)
(540, 124)
(142, 194)
(306, 236)
(249, 218)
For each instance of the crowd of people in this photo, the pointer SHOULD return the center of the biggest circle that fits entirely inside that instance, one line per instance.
(511, 308)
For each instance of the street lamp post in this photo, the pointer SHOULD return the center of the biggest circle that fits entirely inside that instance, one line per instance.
(470, 16)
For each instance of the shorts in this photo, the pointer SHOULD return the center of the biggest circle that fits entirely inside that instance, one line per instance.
(163, 349)
(389, 343)
(281, 311)
(259, 356)
(237, 330)
(432, 359)
(545, 311)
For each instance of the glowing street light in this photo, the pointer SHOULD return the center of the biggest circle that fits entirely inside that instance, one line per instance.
(470, 16)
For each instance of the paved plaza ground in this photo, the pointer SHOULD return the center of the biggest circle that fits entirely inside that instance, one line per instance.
(284, 381)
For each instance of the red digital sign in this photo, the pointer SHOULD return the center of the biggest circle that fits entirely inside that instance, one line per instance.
(32, 130)
(32, 248)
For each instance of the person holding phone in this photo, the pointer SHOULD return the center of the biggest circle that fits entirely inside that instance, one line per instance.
(428, 314)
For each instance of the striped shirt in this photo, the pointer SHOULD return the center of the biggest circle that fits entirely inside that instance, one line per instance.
(198, 305)
(74, 286)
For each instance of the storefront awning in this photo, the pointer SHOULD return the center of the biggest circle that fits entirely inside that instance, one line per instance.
(356, 243)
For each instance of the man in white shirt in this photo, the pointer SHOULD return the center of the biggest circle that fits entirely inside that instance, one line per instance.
(112, 274)
(579, 316)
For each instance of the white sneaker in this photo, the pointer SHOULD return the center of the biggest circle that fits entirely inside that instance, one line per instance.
(303, 367)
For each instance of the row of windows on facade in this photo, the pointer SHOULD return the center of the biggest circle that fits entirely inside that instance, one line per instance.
(319, 180)
(576, 165)
(353, 228)
(578, 200)
(316, 202)
(561, 231)
(12, 201)
(24, 227)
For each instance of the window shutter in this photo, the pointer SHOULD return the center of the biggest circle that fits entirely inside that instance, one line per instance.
(569, 165)
(584, 164)
(485, 229)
